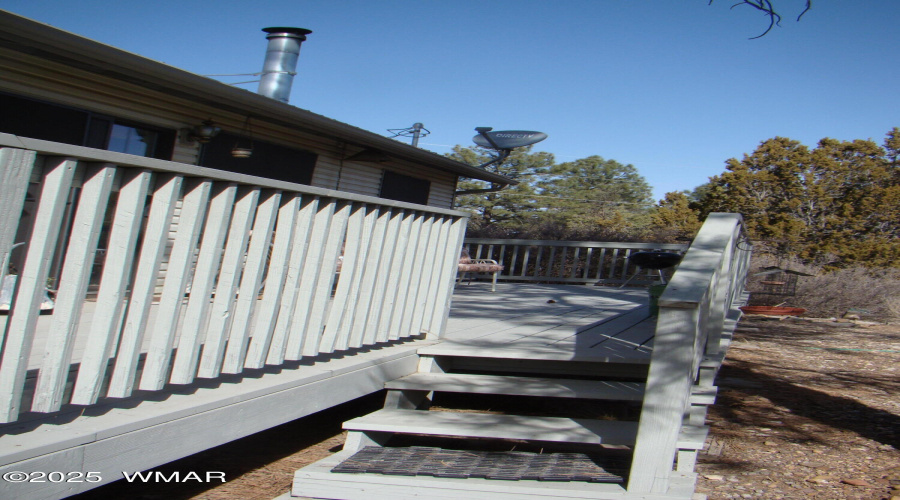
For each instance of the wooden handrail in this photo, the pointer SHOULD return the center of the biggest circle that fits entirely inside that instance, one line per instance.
(705, 288)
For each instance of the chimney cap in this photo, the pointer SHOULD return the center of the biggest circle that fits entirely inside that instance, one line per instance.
(292, 31)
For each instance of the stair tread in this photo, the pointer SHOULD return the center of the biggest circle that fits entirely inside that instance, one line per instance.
(520, 386)
(481, 425)
(511, 385)
(534, 349)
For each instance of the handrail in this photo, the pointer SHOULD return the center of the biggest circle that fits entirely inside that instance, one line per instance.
(205, 272)
(706, 288)
(552, 261)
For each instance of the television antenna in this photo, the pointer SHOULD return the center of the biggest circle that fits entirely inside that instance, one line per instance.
(416, 131)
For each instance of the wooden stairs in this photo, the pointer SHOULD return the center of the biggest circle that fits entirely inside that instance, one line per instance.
(549, 406)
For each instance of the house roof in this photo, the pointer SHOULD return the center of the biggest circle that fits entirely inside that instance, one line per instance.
(25, 35)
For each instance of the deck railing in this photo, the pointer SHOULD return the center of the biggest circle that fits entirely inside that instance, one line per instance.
(702, 294)
(549, 261)
(252, 274)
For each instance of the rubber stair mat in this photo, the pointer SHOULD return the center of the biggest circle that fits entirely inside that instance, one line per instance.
(461, 464)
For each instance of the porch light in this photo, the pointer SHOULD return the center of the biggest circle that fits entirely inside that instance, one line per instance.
(204, 132)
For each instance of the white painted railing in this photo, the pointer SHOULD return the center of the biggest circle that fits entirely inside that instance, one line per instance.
(252, 275)
(566, 261)
(705, 290)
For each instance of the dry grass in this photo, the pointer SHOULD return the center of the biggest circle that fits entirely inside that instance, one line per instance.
(870, 294)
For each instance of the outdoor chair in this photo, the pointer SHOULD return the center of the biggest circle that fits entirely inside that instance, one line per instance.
(469, 265)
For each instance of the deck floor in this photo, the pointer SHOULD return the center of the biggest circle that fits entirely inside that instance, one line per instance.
(562, 322)
(540, 318)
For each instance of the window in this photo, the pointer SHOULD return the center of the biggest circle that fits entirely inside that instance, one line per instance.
(52, 122)
(268, 160)
(401, 187)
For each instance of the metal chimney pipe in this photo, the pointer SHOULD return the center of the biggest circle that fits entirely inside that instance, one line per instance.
(281, 62)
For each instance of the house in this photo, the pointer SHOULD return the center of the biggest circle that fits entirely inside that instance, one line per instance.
(61, 87)
(220, 310)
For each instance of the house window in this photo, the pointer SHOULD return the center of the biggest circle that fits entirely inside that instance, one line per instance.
(268, 160)
(51, 122)
(401, 187)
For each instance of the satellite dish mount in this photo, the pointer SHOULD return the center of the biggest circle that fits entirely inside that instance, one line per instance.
(504, 141)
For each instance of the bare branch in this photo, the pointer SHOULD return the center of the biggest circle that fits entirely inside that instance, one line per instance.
(766, 7)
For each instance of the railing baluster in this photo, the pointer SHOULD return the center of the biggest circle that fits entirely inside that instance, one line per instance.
(538, 262)
(322, 296)
(232, 262)
(117, 267)
(512, 264)
(600, 263)
(436, 270)
(428, 274)
(334, 337)
(20, 329)
(400, 287)
(278, 269)
(549, 268)
(196, 313)
(368, 291)
(587, 262)
(575, 262)
(190, 222)
(165, 195)
(525, 261)
(268, 345)
(16, 166)
(455, 235)
(382, 300)
(251, 278)
(412, 277)
(82, 248)
(362, 260)
(308, 280)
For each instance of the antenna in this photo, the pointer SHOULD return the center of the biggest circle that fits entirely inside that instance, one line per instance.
(416, 131)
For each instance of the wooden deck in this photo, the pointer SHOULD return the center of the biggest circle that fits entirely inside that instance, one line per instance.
(644, 381)
(552, 322)
(519, 319)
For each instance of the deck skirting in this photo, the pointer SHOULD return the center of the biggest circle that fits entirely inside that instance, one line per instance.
(155, 432)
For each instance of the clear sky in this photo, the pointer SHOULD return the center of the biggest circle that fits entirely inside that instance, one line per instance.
(674, 87)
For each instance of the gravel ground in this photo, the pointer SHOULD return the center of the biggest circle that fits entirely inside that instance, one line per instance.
(807, 409)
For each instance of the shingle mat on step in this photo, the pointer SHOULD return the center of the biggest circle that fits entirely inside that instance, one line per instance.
(504, 466)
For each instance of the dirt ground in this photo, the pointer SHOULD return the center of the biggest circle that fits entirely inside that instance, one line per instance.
(807, 409)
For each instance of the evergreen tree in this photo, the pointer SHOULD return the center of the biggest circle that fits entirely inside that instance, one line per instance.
(839, 202)
(512, 208)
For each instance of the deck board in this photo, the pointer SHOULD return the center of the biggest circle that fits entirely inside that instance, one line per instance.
(553, 322)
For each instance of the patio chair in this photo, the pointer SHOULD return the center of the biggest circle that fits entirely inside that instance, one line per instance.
(470, 265)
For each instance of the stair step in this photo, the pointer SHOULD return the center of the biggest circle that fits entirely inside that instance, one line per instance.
(534, 386)
(481, 425)
(317, 481)
(519, 386)
(534, 350)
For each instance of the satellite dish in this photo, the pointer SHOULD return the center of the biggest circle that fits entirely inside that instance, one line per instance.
(506, 139)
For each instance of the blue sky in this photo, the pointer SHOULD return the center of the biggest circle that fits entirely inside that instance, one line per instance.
(674, 87)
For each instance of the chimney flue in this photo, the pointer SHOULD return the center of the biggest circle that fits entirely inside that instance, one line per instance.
(281, 62)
